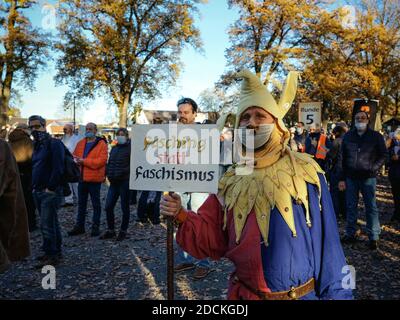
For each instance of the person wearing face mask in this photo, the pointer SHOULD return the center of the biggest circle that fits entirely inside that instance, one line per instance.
(318, 145)
(91, 155)
(118, 172)
(70, 141)
(394, 173)
(292, 142)
(47, 187)
(300, 136)
(273, 215)
(362, 154)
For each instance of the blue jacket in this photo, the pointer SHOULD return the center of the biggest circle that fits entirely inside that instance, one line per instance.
(118, 166)
(48, 164)
(361, 157)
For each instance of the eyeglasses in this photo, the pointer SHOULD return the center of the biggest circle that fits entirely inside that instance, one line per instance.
(361, 118)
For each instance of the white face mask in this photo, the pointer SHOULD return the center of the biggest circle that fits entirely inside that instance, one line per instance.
(299, 130)
(361, 126)
(121, 139)
(261, 136)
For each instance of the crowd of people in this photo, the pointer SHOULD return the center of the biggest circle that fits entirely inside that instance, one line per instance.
(33, 185)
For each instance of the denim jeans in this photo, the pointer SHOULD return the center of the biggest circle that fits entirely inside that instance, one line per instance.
(367, 187)
(144, 207)
(48, 205)
(84, 189)
(117, 190)
(338, 197)
(184, 257)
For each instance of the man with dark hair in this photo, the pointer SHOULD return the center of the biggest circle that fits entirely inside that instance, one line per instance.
(47, 185)
(300, 137)
(187, 112)
(362, 154)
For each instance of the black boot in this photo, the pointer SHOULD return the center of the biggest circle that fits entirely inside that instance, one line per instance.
(95, 231)
(77, 230)
(348, 239)
(121, 235)
(373, 244)
(109, 234)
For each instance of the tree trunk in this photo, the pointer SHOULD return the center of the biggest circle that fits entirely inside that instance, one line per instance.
(3, 112)
(325, 113)
(123, 113)
(5, 93)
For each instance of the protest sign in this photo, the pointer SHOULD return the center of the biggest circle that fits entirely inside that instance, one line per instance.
(310, 114)
(171, 157)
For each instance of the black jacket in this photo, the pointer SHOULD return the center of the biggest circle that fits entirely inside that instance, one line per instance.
(118, 166)
(361, 157)
(48, 164)
(394, 170)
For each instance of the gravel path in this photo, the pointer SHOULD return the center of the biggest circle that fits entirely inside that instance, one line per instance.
(136, 268)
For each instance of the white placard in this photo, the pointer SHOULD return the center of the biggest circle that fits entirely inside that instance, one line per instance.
(310, 114)
(171, 157)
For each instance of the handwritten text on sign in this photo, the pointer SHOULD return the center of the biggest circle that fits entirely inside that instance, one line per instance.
(181, 158)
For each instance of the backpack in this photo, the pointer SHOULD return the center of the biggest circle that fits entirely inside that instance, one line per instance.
(72, 173)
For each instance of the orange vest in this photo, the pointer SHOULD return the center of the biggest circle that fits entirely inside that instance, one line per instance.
(321, 148)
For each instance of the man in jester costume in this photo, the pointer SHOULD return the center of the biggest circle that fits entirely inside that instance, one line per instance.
(277, 223)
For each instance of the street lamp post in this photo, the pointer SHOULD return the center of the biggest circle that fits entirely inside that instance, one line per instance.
(74, 114)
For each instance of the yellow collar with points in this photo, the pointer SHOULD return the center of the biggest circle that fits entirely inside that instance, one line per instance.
(266, 188)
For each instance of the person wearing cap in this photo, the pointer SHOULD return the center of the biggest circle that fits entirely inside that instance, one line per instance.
(273, 215)
(362, 154)
(394, 173)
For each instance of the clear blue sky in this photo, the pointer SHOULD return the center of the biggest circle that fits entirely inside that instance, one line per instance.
(200, 71)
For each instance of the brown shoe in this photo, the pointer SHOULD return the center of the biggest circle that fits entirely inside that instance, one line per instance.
(184, 267)
(201, 273)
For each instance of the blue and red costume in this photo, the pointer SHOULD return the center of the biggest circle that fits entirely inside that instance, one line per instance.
(287, 261)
